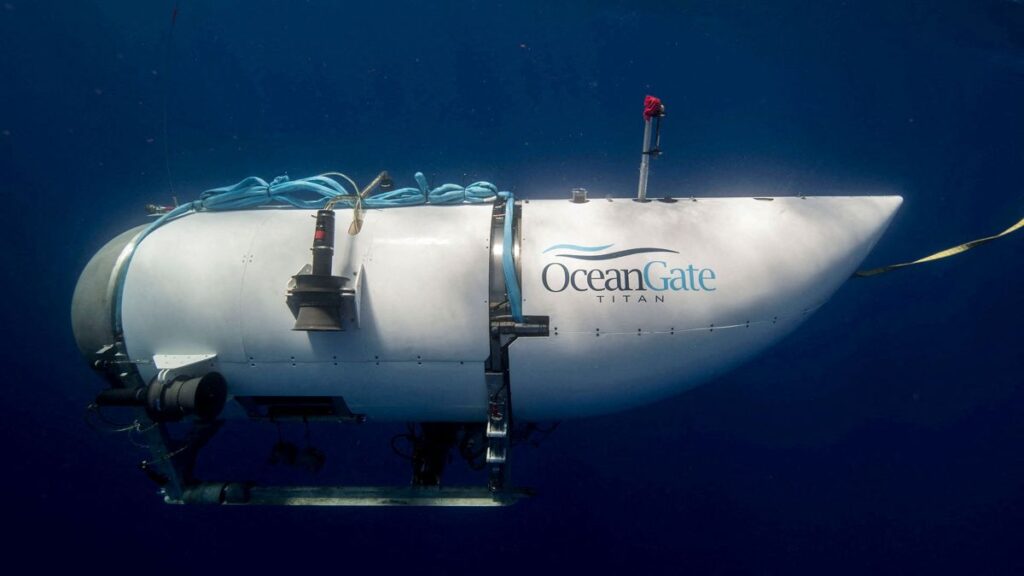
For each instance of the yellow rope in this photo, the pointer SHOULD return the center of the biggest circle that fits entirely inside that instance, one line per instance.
(939, 255)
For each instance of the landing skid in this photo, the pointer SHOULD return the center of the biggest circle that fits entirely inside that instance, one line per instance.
(241, 494)
(173, 463)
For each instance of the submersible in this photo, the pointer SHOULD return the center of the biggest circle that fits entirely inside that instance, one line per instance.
(458, 311)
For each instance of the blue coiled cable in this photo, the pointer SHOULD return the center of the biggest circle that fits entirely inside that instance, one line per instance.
(254, 192)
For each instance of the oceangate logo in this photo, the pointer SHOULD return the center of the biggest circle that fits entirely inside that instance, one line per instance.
(656, 276)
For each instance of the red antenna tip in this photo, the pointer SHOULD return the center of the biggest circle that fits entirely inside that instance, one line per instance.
(653, 107)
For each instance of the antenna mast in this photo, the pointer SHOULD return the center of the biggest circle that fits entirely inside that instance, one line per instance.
(654, 110)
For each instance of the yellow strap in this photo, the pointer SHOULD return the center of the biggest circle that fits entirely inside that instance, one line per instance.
(939, 255)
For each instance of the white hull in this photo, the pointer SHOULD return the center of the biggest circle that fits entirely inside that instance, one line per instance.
(720, 280)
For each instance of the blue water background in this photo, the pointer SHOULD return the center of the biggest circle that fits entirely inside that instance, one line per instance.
(884, 436)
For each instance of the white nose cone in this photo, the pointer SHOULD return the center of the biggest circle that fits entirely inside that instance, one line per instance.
(649, 299)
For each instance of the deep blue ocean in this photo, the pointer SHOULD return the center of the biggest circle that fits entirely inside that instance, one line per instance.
(885, 436)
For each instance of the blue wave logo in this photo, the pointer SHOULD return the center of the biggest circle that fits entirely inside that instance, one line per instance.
(605, 256)
(655, 276)
(578, 248)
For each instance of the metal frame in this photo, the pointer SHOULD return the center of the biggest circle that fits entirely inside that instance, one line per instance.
(171, 461)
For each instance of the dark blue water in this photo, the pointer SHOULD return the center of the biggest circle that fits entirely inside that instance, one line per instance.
(884, 436)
